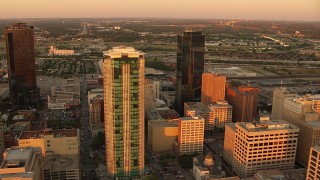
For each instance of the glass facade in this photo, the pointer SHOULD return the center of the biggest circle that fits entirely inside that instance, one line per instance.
(190, 66)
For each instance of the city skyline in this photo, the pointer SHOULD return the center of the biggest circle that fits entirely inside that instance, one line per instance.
(247, 9)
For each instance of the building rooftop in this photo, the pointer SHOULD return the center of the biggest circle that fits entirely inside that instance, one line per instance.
(164, 123)
(19, 162)
(61, 163)
(191, 118)
(276, 174)
(56, 133)
(122, 52)
(203, 108)
(267, 126)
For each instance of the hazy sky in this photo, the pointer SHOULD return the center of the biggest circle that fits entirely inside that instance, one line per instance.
(245, 9)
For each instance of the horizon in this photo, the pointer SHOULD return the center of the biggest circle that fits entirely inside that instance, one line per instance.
(272, 10)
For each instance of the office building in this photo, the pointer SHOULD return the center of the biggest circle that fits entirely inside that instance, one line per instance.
(244, 101)
(279, 95)
(273, 174)
(151, 92)
(123, 76)
(191, 135)
(22, 163)
(303, 113)
(190, 66)
(19, 40)
(60, 142)
(96, 110)
(216, 115)
(166, 130)
(266, 145)
(314, 164)
(213, 88)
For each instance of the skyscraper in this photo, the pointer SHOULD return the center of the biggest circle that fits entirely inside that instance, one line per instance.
(21, 64)
(314, 164)
(190, 66)
(123, 76)
(213, 88)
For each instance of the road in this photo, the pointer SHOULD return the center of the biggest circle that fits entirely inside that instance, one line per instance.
(87, 164)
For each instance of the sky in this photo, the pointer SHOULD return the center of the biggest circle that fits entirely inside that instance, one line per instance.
(301, 10)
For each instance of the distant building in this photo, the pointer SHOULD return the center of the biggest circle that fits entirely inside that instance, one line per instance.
(168, 97)
(94, 79)
(304, 113)
(22, 163)
(96, 110)
(244, 101)
(191, 135)
(19, 40)
(216, 115)
(123, 76)
(314, 164)
(166, 130)
(213, 88)
(279, 95)
(273, 174)
(190, 66)
(60, 52)
(57, 142)
(250, 147)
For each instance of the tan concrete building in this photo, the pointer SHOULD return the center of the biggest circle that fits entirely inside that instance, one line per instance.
(314, 164)
(162, 134)
(123, 76)
(22, 164)
(191, 135)
(151, 92)
(279, 95)
(96, 110)
(216, 115)
(302, 113)
(58, 142)
(262, 146)
(213, 88)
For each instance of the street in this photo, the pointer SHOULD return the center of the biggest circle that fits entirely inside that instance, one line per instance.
(86, 164)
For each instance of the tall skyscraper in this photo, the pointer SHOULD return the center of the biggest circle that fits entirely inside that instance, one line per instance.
(244, 101)
(123, 76)
(21, 64)
(213, 88)
(314, 164)
(190, 66)
(266, 145)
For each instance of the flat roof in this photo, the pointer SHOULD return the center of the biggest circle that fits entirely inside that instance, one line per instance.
(274, 125)
(121, 52)
(57, 133)
(61, 162)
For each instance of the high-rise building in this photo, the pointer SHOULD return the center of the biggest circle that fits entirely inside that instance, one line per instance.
(216, 115)
(302, 112)
(279, 95)
(190, 66)
(123, 76)
(21, 64)
(244, 101)
(314, 164)
(213, 88)
(60, 142)
(22, 163)
(191, 135)
(252, 147)
(152, 91)
(96, 110)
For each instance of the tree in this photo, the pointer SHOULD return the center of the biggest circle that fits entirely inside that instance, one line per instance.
(98, 140)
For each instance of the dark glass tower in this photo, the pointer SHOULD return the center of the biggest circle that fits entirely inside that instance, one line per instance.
(190, 66)
(21, 64)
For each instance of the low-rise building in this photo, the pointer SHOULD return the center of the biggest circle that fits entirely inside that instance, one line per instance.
(23, 163)
(61, 167)
(57, 142)
(272, 174)
(166, 130)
